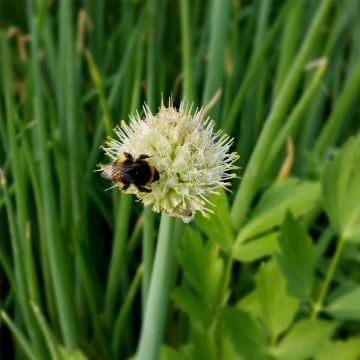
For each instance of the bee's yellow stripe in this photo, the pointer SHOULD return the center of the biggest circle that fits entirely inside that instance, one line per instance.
(152, 169)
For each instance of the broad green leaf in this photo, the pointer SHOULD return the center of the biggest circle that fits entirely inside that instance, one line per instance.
(243, 333)
(296, 258)
(341, 190)
(202, 265)
(192, 305)
(168, 353)
(218, 226)
(202, 345)
(303, 340)
(345, 350)
(256, 249)
(277, 307)
(287, 194)
(228, 351)
(346, 306)
(250, 304)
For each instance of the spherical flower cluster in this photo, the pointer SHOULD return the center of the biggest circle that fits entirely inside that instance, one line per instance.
(191, 160)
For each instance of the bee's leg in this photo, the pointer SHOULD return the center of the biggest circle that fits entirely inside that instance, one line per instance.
(125, 186)
(156, 175)
(128, 156)
(143, 157)
(143, 189)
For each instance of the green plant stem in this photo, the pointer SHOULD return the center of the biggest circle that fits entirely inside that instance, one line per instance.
(148, 251)
(157, 302)
(329, 275)
(249, 185)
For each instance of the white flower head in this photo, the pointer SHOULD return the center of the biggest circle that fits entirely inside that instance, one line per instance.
(190, 160)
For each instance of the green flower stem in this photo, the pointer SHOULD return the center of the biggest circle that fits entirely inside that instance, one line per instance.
(157, 302)
(148, 251)
(329, 275)
(249, 185)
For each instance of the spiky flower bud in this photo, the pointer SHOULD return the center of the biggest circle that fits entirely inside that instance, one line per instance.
(189, 159)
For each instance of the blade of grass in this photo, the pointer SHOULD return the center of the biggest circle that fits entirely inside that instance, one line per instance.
(19, 176)
(255, 101)
(122, 317)
(187, 65)
(48, 335)
(252, 70)
(294, 118)
(98, 82)
(57, 254)
(219, 21)
(25, 281)
(122, 220)
(20, 338)
(249, 184)
(330, 131)
(288, 44)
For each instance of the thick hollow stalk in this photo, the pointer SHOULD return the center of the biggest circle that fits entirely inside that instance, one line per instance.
(157, 302)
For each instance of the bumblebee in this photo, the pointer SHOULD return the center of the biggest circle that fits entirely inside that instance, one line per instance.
(130, 171)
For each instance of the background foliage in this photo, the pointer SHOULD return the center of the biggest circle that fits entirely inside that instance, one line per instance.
(275, 271)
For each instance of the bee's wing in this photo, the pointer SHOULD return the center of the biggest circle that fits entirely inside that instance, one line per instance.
(107, 171)
(128, 168)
